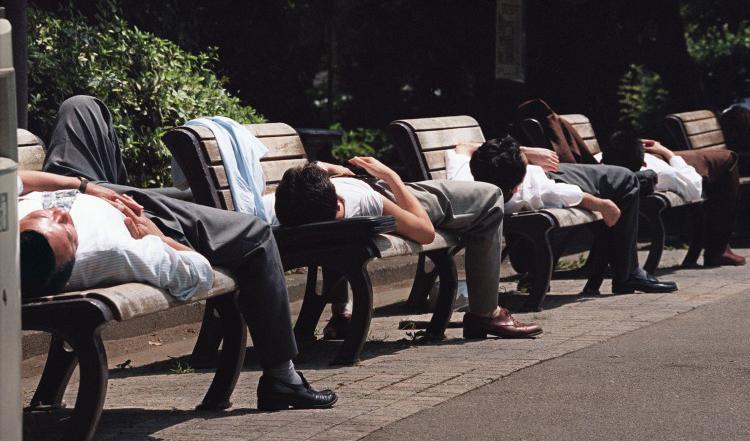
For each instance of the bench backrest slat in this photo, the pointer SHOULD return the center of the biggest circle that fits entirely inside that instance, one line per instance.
(204, 159)
(584, 128)
(30, 151)
(695, 130)
(422, 142)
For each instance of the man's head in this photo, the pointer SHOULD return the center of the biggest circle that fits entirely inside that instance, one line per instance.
(500, 162)
(306, 194)
(48, 243)
(625, 149)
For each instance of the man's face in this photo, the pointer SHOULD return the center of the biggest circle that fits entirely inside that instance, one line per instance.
(57, 227)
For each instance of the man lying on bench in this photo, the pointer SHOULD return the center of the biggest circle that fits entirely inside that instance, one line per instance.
(675, 174)
(473, 211)
(503, 162)
(149, 237)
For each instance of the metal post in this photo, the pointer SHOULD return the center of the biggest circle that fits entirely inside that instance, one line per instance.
(10, 297)
(16, 14)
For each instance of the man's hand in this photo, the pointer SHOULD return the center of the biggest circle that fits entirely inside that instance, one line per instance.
(138, 225)
(113, 197)
(655, 148)
(545, 158)
(374, 168)
(610, 212)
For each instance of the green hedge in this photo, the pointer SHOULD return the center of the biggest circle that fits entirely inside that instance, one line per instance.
(643, 99)
(150, 84)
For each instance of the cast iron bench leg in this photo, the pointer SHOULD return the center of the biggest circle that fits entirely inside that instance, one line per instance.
(423, 282)
(542, 264)
(359, 280)
(651, 210)
(697, 239)
(206, 349)
(335, 289)
(232, 354)
(57, 371)
(445, 266)
(92, 388)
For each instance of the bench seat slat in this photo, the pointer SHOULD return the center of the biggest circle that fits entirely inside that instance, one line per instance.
(131, 300)
(569, 217)
(390, 245)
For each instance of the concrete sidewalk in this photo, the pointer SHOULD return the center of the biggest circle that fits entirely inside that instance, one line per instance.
(687, 378)
(399, 377)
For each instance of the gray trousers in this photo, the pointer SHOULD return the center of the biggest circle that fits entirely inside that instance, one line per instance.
(619, 243)
(474, 212)
(84, 144)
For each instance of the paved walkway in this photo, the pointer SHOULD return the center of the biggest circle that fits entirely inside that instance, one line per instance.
(687, 378)
(397, 378)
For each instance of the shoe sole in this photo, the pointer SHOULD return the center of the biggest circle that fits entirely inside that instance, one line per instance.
(483, 335)
(271, 407)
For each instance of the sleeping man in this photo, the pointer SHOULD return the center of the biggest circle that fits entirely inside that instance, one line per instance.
(472, 210)
(675, 174)
(503, 162)
(76, 234)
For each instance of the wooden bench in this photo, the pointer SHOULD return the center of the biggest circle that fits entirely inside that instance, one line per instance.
(342, 253)
(697, 130)
(652, 206)
(422, 144)
(77, 318)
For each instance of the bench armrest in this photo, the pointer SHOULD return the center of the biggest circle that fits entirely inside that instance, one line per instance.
(336, 231)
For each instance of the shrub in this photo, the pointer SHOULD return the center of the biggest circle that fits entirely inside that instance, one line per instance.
(723, 59)
(358, 142)
(643, 100)
(150, 84)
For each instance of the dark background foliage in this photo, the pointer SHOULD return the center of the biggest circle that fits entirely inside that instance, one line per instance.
(364, 63)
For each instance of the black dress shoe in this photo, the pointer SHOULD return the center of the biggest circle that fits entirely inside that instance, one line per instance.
(274, 394)
(647, 284)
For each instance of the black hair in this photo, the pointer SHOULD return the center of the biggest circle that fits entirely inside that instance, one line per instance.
(624, 149)
(40, 275)
(499, 162)
(304, 195)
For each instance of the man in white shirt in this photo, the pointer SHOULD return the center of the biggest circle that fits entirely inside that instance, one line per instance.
(130, 249)
(503, 162)
(472, 210)
(675, 174)
(84, 147)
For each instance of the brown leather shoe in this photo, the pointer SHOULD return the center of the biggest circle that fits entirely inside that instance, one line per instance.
(337, 327)
(504, 326)
(726, 259)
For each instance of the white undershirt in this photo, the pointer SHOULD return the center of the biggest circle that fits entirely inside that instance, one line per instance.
(537, 191)
(108, 255)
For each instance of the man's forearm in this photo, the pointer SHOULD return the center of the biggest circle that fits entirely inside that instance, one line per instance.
(42, 181)
(405, 199)
(177, 246)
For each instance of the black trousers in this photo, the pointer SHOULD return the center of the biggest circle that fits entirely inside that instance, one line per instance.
(84, 144)
(620, 185)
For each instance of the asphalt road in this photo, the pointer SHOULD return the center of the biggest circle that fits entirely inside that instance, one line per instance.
(687, 378)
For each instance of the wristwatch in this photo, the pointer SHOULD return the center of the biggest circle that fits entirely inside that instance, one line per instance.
(84, 184)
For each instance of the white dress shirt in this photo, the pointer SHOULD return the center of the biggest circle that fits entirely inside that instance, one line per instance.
(537, 191)
(676, 176)
(108, 255)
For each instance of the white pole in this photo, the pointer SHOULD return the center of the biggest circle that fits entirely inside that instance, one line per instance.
(10, 297)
